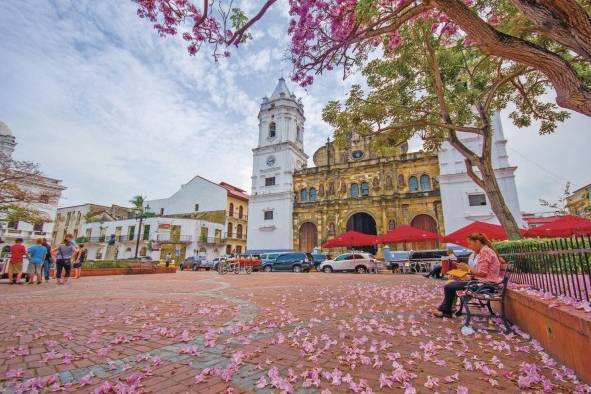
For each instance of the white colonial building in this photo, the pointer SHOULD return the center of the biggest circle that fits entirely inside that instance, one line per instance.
(41, 186)
(462, 200)
(158, 237)
(280, 151)
(202, 218)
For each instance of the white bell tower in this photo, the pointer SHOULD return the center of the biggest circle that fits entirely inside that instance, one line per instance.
(279, 153)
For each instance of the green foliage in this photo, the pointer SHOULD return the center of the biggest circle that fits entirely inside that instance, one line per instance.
(138, 202)
(25, 213)
(95, 264)
(544, 255)
(82, 240)
(559, 207)
(238, 19)
(402, 96)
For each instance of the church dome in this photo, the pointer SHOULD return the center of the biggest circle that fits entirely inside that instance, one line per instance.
(4, 129)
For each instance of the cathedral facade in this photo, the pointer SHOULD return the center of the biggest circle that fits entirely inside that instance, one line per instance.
(357, 188)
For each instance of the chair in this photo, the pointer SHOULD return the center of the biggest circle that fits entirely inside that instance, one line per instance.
(481, 294)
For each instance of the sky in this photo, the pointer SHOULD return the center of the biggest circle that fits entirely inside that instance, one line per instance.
(102, 102)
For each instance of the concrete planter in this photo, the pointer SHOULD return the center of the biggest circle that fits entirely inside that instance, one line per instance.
(563, 331)
(126, 271)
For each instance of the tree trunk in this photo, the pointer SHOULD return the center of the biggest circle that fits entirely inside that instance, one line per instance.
(497, 201)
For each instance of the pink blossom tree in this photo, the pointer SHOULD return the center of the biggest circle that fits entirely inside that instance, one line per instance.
(550, 36)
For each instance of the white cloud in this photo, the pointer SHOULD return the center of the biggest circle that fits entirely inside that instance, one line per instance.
(101, 101)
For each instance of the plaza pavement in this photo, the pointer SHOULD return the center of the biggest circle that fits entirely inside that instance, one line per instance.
(266, 332)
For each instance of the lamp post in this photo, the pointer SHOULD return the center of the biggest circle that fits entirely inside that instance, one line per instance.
(141, 216)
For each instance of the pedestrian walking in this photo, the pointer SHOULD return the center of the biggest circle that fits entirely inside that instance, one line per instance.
(168, 260)
(48, 259)
(15, 265)
(65, 251)
(37, 254)
(80, 259)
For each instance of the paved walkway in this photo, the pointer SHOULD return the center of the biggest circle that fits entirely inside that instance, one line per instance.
(265, 332)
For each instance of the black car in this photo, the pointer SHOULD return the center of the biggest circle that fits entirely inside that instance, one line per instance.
(294, 262)
(422, 260)
(318, 259)
(192, 263)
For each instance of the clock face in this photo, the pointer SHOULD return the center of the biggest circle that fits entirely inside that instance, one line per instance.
(270, 161)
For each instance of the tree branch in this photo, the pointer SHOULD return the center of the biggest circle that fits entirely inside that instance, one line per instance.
(564, 21)
(571, 90)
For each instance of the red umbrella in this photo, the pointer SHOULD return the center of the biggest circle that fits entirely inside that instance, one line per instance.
(407, 234)
(492, 231)
(351, 238)
(565, 226)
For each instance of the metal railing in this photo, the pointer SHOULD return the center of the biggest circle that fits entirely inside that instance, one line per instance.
(173, 238)
(235, 235)
(561, 267)
(235, 215)
(210, 240)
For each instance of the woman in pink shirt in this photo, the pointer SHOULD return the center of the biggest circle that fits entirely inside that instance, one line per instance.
(487, 269)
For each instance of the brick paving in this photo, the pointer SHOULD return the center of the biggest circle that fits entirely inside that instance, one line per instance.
(265, 332)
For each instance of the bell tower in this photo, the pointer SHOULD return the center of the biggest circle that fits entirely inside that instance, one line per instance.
(280, 151)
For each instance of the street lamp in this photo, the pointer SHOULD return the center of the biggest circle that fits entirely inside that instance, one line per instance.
(141, 217)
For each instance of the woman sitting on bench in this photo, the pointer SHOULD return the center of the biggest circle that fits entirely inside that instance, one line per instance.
(487, 269)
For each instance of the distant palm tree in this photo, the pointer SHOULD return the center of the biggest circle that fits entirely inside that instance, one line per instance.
(138, 202)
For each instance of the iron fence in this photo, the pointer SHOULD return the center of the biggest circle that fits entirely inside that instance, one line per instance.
(559, 266)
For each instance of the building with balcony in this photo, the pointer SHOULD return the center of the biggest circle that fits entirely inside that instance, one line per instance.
(41, 186)
(579, 201)
(158, 237)
(236, 219)
(71, 220)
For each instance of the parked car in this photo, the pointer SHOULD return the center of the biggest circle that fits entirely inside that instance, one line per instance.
(207, 264)
(267, 258)
(216, 261)
(193, 263)
(318, 259)
(360, 262)
(293, 261)
(397, 260)
(422, 260)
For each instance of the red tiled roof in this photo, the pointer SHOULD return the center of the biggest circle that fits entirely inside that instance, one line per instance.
(234, 191)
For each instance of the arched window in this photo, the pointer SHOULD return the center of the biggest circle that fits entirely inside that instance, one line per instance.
(272, 130)
(143, 251)
(364, 189)
(239, 231)
(413, 184)
(228, 249)
(331, 188)
(313, 194)
(389, 182)
(331, 230)
(321, 189)
(240, 212)
(231, 210)
(425, 183)
(391, 224)
(299, 133)
(304, 195)
(354, 190)
(400, 180)
(230, 228)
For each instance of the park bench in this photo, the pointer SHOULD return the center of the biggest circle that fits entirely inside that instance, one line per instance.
(480, 295)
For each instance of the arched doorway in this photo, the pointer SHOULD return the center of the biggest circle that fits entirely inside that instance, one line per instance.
(308, 237)
(425, 222)
(363, 223)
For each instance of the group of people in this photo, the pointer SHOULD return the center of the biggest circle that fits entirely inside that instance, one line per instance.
(45, 261)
